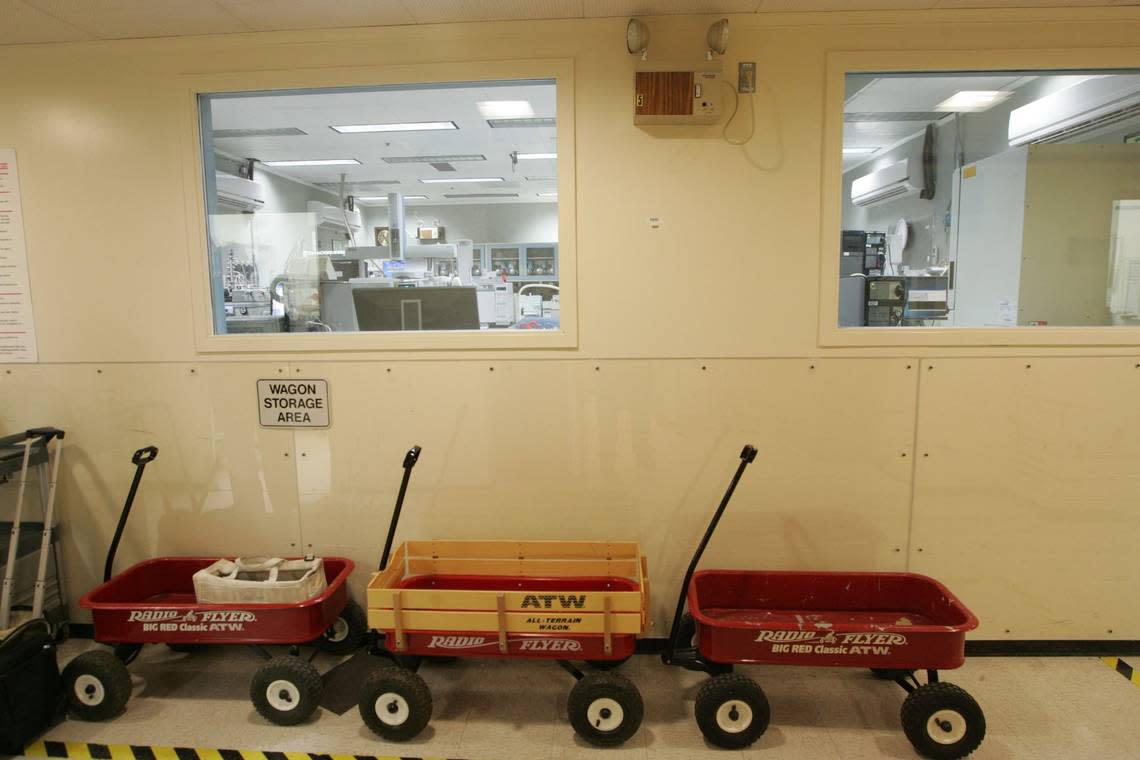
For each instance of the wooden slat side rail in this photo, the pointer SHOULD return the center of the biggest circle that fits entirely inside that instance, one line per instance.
(386, 578)
(523, 549)
(502, 612)
(398, 621)
(543, 568)
(514, 601)
(516, 622)
(646, 620)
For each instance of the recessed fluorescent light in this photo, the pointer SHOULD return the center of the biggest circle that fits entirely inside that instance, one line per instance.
(534, 156)
(315, 162)
(450, 159)
(506, 109)
(456, 180)
(481, 195)
(259, 132)
(535, 121)
(853, 152)
(384, 198)
(969, 101)
(406, 126)
(548, 195)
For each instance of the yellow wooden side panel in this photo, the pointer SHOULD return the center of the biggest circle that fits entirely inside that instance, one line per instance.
(524, 549)
(446, 599)
(517, 622)
(548, 568)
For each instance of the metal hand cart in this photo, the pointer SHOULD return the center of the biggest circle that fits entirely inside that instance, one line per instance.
(893, 623)
(33, 580)
(153, 602)
(558, 600)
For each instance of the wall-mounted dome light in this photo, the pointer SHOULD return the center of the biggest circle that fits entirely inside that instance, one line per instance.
(717, 37)
(637, 38)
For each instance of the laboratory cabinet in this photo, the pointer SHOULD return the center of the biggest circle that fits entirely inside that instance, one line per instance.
(523, 262)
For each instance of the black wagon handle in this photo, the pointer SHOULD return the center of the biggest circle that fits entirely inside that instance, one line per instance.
(747, 457)
(140, 460)
(410, 460)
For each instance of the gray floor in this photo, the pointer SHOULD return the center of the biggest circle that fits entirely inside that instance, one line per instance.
(501, 710)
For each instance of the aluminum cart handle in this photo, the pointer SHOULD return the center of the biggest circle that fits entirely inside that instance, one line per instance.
(410, 460)
(747, 457)
(140, 460)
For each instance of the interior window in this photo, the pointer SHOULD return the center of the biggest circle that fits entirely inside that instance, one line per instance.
(425, 207)
(991, 199)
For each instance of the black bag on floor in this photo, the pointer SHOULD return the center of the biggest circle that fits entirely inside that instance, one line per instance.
(30, 688)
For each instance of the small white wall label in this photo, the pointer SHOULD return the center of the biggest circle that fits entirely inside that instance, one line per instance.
(293, 403)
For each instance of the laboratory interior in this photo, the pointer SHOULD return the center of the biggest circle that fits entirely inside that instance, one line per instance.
(569, 379)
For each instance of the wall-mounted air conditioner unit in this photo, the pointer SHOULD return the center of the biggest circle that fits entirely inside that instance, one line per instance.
(331, 216)
(236, 194)
(1094, 104)
(890, 182)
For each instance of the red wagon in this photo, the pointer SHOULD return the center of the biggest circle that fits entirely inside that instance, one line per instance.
(557, 600)
(893, 623)
(153, 602)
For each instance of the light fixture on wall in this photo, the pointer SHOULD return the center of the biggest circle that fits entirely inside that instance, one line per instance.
(717, 38)
(637, 38)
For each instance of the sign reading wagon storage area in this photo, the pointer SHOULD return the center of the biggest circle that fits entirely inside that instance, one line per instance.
(293, 403)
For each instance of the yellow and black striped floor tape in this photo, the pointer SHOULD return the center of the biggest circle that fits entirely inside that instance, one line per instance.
(1123, 668)
(85, 751)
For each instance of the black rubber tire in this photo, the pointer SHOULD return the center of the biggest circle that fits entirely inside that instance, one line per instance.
(348, 633)
(410, 688)
(890, 674)
(608, 664)
(923, 703)
(101, 670)
(595, 686)
(732, 687)
(292, 708)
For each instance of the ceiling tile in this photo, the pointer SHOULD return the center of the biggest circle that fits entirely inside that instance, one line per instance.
(270, 15)
(601, 8)
(23, 23)
(444, 11)
(845, 5)
(114, 19)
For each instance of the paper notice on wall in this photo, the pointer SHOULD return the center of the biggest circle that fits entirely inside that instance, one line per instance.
(1007, 312)
(17, 333)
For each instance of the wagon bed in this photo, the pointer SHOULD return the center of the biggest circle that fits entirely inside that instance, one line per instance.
(153, 602)
(546, 599)
(873, 620)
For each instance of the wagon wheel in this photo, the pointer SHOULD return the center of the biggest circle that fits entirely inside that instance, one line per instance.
(286, 690)
(732, 711)
(395, 703)
(942, 721)
(608, 664)
(605, 709)
(347, 632)
(97, 685)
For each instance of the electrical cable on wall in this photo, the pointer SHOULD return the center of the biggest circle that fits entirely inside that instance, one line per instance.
(751, 131)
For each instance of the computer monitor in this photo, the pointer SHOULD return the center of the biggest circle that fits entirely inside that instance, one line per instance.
(388, 309)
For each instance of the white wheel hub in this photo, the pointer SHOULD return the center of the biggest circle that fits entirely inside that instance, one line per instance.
(283, 695)
(946, 727)
(605, 714)
(89, 690)
(392, 709)
(338, 631)
(733, 716)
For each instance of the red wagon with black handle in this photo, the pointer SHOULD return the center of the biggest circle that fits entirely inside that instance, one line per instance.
(153, 602)
(895, 624)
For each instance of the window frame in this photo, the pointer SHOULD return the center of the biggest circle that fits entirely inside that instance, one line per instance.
(842, 63)
(560, 70)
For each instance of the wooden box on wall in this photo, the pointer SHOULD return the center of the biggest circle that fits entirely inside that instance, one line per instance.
(676, 97)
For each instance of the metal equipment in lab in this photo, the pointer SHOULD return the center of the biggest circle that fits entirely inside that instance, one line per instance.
(886, 301)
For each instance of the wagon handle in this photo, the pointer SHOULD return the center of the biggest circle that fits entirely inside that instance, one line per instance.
(410, 460)
(140, 460)
(747, 457)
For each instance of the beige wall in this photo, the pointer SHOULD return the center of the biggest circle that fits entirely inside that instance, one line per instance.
(1011, 478)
